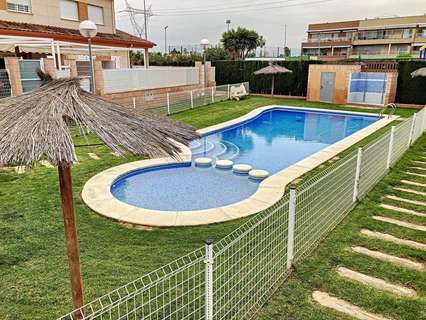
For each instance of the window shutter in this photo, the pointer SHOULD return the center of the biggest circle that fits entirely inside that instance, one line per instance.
(82, 11)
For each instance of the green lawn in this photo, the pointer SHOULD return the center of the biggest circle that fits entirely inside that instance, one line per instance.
(33, 264)
(318, 272)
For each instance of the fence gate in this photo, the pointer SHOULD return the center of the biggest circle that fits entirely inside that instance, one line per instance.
(367, 87)
(29, 77)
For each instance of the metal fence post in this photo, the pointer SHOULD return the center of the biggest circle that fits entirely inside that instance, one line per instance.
(168, 103)
(134, 102)
(390, 149)
(229, 91)
(423, 111)
(213, 94)
(192, 100)
(413, 123)
(209, 279)
(357, 174)
(291, 225)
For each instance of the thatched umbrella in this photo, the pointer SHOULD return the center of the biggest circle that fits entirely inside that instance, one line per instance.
(272, 69)
(35, 125)
(419, 73)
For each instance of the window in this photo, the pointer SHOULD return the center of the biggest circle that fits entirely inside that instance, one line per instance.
(19, 5)
(96, 14)
(69, 10)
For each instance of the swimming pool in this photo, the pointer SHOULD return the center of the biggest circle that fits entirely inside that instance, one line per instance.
(285, 141)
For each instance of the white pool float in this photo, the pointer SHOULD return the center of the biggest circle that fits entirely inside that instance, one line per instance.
(203, 162)
(258, 174)
(224, 164)
(242, 168)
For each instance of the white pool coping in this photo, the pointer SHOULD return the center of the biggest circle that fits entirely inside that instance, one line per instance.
(97, 191)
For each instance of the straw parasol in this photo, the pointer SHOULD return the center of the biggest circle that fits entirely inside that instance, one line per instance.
(35, 125)
(419, 73)
(272, 69)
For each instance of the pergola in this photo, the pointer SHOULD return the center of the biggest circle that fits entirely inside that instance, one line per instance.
(53, 47)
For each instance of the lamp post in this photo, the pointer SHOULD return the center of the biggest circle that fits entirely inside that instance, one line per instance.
(228, 23)
(89, 30)
(205, 44)
(165, 39)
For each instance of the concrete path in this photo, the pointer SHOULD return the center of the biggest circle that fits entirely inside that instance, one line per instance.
(393, 239)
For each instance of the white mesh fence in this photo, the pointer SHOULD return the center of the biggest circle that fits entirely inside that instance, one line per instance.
(174, 102)
(234, 277)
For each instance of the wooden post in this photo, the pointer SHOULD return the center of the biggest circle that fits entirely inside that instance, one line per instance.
(65, 184)
(273, 85)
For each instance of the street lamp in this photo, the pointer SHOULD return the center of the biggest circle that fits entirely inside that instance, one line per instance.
(165, 39)
(205, 44)
(89, 30)
(228, 22)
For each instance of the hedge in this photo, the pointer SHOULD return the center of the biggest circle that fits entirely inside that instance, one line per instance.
(285, 84)
(411, 90)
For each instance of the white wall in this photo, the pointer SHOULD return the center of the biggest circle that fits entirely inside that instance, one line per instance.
(120, 80)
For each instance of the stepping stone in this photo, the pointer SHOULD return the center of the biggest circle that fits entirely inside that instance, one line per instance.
(403, 210)
(376, 283)
(415, 202)
(258, 174)
(413, 183)
(242, 168)
(421, 162)
(402, 262)
(401, 223)
(94, 156)
(411, 191)
(415, 174)
(203, 162)
(390, 238)
(345, 307)
(20, 169)
(116, 154)
(224, 164)
(46, 164)
(418, 168)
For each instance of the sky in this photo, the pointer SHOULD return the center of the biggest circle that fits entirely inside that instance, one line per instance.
(189, 21)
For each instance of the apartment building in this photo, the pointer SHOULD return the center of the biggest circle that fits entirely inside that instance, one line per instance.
(37, 28)
(368, 38)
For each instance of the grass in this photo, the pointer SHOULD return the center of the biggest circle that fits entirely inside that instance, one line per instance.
(318, 272)
(33, 263)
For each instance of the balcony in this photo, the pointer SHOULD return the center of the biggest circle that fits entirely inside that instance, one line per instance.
(326, 43)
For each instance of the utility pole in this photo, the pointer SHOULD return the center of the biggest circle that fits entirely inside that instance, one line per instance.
(165, 39)
(285, 35)
(145, 20)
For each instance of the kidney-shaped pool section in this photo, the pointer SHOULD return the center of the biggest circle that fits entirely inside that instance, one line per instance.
(273, 140)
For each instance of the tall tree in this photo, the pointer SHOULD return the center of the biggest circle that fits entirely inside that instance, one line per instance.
(240, 42)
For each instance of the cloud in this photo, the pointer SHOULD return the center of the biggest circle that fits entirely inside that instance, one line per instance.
(185, 30)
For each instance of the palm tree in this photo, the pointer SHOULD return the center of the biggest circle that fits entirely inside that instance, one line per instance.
(240, 42)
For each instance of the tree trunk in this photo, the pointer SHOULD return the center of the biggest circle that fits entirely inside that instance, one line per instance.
(65, 184)
(273, 85)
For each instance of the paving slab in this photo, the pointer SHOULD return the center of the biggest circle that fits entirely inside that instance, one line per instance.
(403, 210)
(400, 223)
(376, 283)
(345, 307)
(413, 183)
(415, 202)
(402, 262)
(393, 239)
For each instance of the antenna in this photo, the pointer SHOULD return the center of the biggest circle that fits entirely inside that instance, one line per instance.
(139, 30)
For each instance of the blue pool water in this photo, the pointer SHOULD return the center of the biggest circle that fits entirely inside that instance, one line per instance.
(272, 141)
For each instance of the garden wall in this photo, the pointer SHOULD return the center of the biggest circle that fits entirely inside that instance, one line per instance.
(411, 91)
(294, 84)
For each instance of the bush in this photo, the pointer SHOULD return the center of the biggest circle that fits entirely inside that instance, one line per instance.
(411, 90)
(294, 84)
